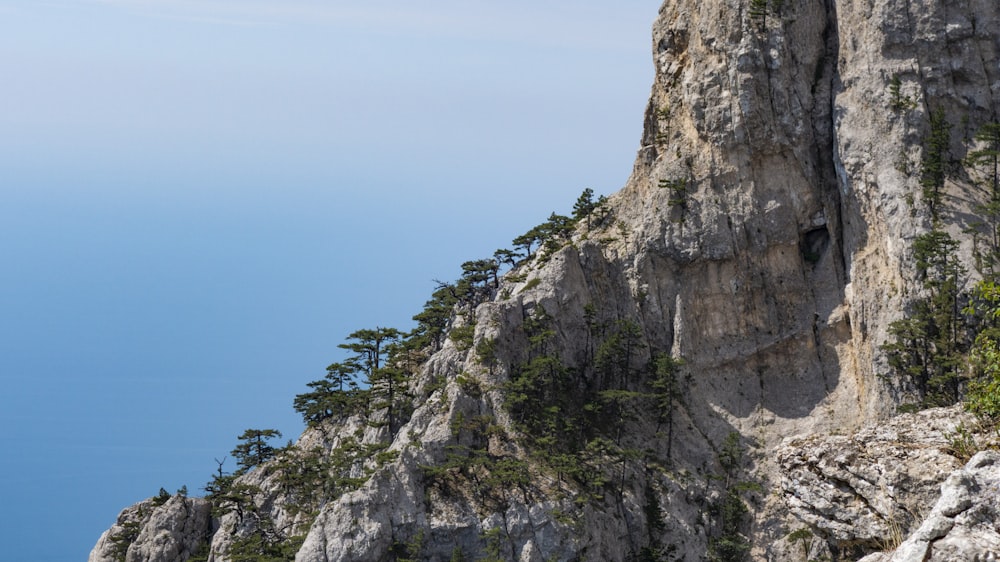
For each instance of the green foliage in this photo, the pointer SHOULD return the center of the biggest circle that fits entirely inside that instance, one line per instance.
(238, 498)
(494, 542)
(254, 448)
(534, 282)
(678, 188)
(985, 164)
(621, 406)
(202, 553)
(509, 257)
(470, 465)
(123, 538)
(265, 544)
(929, 346)
(478, 283)
(983, 393)
(529, 240)
(804, 537)
(556, 233)
(584, 206)
(370, 347)
(983, 397)
(486, 353)
(337, 394)
(462, 336)
(655, 526)
(662, 125)
(433, 321)
(667, 393)
(410, 550)
(161, 498)
(897, 101)
(220, 483)
(731, 454)
(382, 360)
(934, 163)
(305, 478)
(615, 355)
(469, 385)
(962, 443)
(729, 543)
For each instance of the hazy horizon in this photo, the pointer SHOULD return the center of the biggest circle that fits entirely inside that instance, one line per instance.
(202, 199)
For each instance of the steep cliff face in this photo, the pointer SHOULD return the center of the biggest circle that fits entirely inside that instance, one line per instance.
(764, 238)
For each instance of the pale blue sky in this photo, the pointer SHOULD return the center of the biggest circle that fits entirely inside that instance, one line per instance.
(200, 199)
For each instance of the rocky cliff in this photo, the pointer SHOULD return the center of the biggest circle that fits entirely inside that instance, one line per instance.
(695, 368)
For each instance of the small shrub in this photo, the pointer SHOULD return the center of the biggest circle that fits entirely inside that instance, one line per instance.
(462, 336)
(962, 443)
(531, 284)
(161, 498)
(897, 101)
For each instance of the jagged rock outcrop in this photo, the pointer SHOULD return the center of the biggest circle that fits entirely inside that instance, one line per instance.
(157, 531)
(859, 492)
(963, 525)
(764, 237)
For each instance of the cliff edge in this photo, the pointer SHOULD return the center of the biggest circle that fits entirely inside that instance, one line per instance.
(694, 368)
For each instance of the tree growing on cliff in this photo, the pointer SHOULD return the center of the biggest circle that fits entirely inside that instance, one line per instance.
(897, 100)
(369, 347)
(983, 393)
(934, 163)
(667, 393)
(729, 543)
(254, 448)
(336, 394)
(436, 317)
(386, 380)
(584, 206)
(985, 161)
(529, 240)
(929, 345)
(615, 355)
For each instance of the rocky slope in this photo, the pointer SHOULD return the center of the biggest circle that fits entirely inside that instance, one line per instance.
(765, 238)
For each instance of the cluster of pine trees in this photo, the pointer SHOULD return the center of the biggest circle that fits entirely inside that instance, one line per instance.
(373, 383)
(945, 349)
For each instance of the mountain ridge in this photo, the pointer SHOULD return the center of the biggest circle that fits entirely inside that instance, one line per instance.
(656, 380)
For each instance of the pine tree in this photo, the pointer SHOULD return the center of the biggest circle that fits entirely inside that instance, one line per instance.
(584, 206)
(254, 448)
(934, 163)
(929, 344)
(386, 382)
(336, 394)
(370, 347)
(666, 392)
(987, 161)
(436, 317)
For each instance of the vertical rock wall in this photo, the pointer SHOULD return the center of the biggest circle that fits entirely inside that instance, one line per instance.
(764, 237)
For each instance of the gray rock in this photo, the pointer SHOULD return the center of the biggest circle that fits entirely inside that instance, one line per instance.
(963, 525)
(147, 532)
(775, 273)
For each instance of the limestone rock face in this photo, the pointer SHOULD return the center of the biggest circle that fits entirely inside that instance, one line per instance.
(860, 490)
(764, 237)
(148, 532)
(963, 525)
